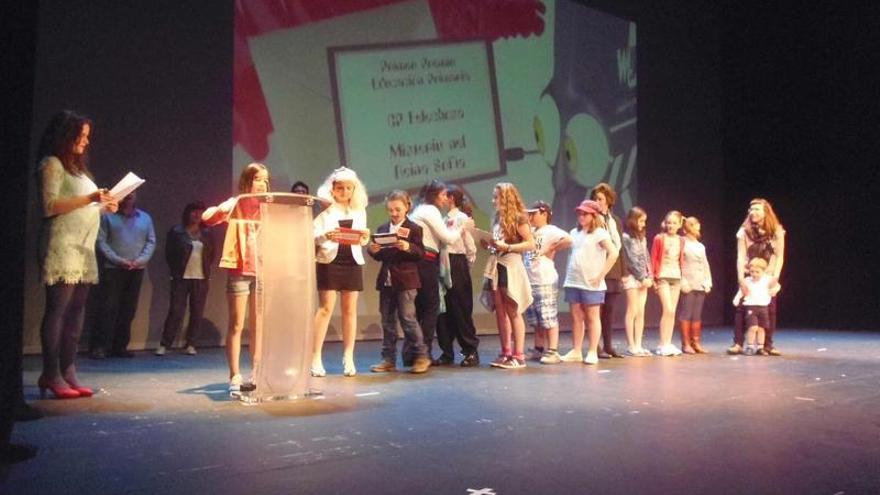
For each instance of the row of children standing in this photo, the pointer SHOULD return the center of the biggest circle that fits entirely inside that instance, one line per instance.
(427, 267)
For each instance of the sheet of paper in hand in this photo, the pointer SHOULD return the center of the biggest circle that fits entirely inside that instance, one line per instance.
(386, 239)
(481, 235)
(349, 236)
(125, 186)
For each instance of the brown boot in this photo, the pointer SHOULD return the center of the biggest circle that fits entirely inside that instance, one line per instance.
(686, 337)
(696, 336)
(420, 365)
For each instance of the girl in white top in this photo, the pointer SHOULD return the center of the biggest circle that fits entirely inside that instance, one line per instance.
(71, 205)
(457, 322)
(666, 255)
(435, 234)
(508, 281)
(339, 261)
(696, 282)
(592, 256)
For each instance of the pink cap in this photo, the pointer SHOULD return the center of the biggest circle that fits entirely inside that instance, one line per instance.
(589, 206)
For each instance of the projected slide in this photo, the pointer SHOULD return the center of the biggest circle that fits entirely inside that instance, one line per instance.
(540, 93)
(409, 113)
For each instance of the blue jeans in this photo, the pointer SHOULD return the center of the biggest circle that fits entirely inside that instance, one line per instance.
(400, 305)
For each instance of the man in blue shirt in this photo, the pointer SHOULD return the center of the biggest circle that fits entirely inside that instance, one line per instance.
(126, 243)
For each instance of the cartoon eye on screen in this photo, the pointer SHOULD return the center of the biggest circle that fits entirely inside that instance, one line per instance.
(584, 123)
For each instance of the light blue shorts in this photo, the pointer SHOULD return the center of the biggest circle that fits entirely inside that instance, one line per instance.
(582, 296)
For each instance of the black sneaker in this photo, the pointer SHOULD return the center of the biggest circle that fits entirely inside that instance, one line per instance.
(443, 360)
(470, 361)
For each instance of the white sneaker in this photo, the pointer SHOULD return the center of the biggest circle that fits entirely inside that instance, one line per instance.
(592, 358)
(644, 352)
(668, 350)
(190, 351)
(160, 351)
(348, 368)
(551, 357)
(572, 356)
(235, 383)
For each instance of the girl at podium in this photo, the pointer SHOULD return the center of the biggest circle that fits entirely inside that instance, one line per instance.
(239, 257)
(340, 232)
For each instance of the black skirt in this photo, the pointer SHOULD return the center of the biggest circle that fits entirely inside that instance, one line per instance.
(337, 276)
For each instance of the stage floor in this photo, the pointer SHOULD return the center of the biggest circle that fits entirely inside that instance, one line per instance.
(807, 422)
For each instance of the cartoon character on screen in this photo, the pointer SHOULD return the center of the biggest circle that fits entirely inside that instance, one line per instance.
(585, 120)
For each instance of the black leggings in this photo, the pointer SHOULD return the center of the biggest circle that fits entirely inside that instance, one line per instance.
(61, 328)
(606, 316)
(457, 322)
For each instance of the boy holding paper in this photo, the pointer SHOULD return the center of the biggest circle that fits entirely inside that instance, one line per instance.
(398, 245)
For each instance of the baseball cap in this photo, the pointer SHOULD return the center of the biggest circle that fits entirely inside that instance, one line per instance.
(539, 205)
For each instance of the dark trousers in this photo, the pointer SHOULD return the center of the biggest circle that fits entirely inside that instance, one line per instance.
(739, 325)
(194, 291)
(457, 323)
(606, 313)
(120, 290)
(61, 328)
(427, 306)
(398, 306)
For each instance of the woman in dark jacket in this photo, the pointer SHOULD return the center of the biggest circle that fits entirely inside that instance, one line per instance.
(189, 251)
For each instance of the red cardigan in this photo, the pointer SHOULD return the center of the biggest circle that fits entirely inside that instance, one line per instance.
(657, 252)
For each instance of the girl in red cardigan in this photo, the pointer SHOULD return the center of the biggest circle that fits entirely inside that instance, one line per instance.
(666, 257)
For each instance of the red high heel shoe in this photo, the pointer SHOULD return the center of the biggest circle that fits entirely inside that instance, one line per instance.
(60, 392)
(83, 391)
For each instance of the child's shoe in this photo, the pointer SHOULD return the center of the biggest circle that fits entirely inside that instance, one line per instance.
(551, 357)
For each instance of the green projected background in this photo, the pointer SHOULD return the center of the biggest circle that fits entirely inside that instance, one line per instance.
(408, 114)
(538, 93)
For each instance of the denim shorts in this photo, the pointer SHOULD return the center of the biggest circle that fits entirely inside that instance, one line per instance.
(582, 296)
(241, 284)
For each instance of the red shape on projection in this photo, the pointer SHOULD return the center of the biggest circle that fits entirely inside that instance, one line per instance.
(453, 20)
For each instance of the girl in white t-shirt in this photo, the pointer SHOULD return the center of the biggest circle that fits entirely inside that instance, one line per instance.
(592, 255)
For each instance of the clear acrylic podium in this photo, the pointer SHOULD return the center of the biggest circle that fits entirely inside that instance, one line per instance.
(281, 227)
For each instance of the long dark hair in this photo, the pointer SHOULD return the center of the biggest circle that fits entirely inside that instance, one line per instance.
(189, 208)
(632, 222)
(246, 179)
(59, 138)
(460, 200)
(431, 190)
